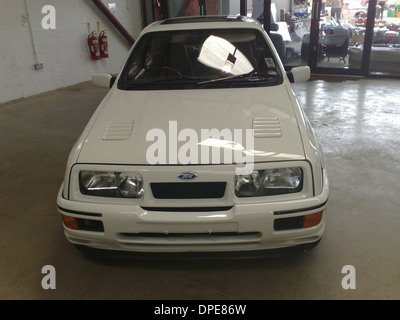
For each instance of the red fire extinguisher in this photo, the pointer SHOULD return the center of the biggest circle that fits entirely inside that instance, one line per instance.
(103, 44)
(94, 46)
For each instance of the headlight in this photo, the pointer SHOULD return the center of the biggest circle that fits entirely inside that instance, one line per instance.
(130, 185)
(98, 183)
(111, 184)
(283, 180)
(247, 185)
(269, 182)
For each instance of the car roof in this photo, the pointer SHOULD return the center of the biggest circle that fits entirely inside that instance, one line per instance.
(203, 22)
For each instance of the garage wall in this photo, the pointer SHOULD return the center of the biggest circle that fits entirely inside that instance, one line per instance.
(63, 51)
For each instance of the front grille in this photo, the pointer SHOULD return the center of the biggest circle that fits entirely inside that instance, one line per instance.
(188, 190)
(192, 239)
(187, 209)
(189, 235)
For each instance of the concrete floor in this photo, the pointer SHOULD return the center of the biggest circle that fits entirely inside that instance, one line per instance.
(358, 123)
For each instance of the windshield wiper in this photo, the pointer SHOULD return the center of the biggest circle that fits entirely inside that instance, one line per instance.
(237, 76)
(139, 83)
(249, 76)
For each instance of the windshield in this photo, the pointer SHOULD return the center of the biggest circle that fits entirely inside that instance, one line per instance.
(207, 58)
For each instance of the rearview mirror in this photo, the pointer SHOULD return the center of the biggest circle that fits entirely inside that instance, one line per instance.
(299, 74)
(105, 80)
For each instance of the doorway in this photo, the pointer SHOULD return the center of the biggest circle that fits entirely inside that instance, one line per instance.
(332, 36)
(344, 29)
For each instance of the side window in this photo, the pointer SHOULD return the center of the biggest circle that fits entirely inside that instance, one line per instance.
(140, 59)
(264, 57)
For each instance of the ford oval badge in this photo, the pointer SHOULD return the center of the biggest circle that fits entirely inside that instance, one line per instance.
(187, 176)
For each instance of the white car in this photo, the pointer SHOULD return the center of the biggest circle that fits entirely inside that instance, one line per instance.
(199, 146)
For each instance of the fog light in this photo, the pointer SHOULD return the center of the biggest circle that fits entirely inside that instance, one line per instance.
(311, 220)
(70, 222)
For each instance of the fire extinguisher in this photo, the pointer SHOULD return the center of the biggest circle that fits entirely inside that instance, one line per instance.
(103, 44)
(94, 46)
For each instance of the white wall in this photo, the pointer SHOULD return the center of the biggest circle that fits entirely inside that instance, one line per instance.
(234, 7)
(63, 51)
(281, 4)
(258, 6)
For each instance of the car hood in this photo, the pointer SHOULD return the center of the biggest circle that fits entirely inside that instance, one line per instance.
(172, 127)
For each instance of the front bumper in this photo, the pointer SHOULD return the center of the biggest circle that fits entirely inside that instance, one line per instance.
(240, 228)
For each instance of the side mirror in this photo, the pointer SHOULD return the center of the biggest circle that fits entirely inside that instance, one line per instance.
(105, 80)
(299, 74)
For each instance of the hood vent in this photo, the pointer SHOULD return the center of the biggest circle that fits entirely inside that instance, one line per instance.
(119, 130)
(267, 127)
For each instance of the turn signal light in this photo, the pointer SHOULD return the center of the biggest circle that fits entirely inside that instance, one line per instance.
(70, 222)
(311, 220)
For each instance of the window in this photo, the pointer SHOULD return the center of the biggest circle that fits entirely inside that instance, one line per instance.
(191, 58)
